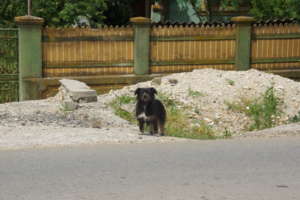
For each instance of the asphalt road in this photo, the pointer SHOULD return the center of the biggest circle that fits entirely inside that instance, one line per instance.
(246, 169)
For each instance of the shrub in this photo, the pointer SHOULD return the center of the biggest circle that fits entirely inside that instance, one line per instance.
(263, 111)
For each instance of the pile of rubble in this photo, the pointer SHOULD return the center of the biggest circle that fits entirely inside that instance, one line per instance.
(207, 93)
(77, 115)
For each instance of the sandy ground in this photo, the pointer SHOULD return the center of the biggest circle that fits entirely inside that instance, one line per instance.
(40, 137)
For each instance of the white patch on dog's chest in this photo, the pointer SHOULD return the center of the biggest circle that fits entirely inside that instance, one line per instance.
(142, 116)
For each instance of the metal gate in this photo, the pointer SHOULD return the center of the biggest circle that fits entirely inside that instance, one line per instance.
(9, 81)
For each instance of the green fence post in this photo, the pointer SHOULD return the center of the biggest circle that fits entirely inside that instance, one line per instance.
(141, 45)
(30, 55)
(243, 42)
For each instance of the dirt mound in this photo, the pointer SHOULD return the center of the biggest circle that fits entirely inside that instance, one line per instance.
(225, 99)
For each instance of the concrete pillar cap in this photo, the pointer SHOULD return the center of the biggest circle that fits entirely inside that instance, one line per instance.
(29, 20)
(242, 19)
(140, 20)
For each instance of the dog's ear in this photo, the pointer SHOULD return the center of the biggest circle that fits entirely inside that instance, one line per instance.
(153, 90)
(137, 91)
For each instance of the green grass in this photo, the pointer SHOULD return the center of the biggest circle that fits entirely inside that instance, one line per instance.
(178, 121)
(193, 93)
(263, 111)
(125, 99)
(227, 133)
(295, 119)
(230, 82)
(179, 124)
(117, 104)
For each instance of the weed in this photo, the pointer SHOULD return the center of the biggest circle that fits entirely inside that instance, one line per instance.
(176, 118)
(227, 133)
(197, 111)
(67, 106)
(178, 121)
(230, 82)
(204, 131)
(64, 109)
(167, 101)
(117, 104)
(235, 106)
(193, 93)
(263, 111)
(295, 119)
(125, 99)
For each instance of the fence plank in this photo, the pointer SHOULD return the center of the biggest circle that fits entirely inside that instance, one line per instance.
(85, 50)
(109, 50)
(184, 48)
(276, 46)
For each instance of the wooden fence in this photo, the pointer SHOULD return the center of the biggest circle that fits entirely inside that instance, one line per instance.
(111, 57)
(184, 48)
(275, 46)
(173, 48)
(77, 52)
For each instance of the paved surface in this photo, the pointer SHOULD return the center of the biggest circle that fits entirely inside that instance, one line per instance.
(246, 169)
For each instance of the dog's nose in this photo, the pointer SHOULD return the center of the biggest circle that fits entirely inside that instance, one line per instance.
(144, 97)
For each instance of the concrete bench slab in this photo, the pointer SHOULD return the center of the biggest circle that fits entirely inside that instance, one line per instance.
(79, 91)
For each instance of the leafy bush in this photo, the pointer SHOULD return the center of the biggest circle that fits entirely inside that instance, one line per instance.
(263, 111)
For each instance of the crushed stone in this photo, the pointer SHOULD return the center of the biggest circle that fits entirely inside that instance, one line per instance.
(45, 123)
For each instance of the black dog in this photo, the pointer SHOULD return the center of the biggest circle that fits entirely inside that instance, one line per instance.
(150, 111)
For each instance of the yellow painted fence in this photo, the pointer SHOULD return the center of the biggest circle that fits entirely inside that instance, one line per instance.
(173, 48)
(84, 51)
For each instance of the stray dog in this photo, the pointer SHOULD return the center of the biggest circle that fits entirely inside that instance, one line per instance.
(150, 111)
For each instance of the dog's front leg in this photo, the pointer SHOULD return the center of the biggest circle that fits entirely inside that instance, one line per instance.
(141, 125)
(161, 129)
(151, 126)
(155, 127)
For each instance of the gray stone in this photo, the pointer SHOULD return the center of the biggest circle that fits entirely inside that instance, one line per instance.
(79, 91)
(156, 81)
(173, 81)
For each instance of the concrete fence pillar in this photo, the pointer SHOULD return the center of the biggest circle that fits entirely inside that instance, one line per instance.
(141, 45)
(243, 41)
(30, 55)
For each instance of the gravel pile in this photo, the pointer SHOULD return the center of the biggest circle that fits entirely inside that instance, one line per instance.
(44, 122)
(207, 92)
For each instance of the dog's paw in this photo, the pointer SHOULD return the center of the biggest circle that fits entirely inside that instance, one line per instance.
(141, 133)
(161, 134)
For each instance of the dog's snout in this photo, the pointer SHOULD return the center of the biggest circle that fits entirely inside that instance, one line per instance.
(144, 96)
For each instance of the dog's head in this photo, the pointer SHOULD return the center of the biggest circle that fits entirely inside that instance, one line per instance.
(145, 94)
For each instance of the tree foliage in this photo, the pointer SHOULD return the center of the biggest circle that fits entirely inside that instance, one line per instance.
(9, 9)
(70, 12)
(55, 12)
(275, 9)
(62, 13)
(260, 9)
